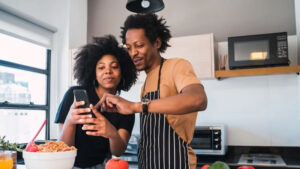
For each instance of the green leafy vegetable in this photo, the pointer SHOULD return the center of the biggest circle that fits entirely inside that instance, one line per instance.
(6, 145)
(219, 165)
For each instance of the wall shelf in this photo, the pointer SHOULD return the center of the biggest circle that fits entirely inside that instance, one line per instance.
(257, 71)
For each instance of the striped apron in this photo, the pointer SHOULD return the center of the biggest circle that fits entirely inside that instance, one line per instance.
(160, 147)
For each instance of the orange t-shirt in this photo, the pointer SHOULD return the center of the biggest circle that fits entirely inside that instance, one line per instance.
(175, 75)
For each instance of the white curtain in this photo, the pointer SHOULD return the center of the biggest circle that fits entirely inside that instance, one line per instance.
(16, 24)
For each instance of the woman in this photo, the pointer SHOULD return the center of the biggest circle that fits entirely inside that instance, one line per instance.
(100, 67)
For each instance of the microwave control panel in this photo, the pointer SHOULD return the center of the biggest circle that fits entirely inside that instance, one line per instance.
(216, 139)
(282, 46)
(282, 49)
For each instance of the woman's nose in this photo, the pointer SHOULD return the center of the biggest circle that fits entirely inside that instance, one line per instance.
(108, 70)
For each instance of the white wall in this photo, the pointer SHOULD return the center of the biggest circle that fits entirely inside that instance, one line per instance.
(78, 23)
(297, 17)
(56, 13)
(257, 110)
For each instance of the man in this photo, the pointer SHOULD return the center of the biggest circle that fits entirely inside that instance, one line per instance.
(171, 96)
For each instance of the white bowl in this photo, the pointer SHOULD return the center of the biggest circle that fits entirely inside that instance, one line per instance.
(49, 160)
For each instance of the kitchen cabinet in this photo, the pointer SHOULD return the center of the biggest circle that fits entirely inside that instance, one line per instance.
(257, 71)
(199, 50)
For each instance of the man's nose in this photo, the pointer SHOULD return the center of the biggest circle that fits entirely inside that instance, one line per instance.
(133, 52)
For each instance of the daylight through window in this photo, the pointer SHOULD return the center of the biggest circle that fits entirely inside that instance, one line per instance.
(24, 88)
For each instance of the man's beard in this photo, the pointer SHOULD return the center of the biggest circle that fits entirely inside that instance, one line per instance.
(145, 68)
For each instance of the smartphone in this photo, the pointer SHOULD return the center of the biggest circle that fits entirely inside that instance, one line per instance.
(81, 95)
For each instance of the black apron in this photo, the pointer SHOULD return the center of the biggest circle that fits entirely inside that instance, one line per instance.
(160, 147)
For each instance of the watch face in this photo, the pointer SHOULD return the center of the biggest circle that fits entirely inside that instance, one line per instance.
(145, 100)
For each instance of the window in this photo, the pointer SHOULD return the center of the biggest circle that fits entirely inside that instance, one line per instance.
(24, 88)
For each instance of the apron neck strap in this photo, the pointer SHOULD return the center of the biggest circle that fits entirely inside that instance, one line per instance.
(159, 73)
(158, 82)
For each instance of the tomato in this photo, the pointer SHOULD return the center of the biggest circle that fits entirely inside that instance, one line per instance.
(116, 163)
(205, 166)
(32, 147)
(245, 167)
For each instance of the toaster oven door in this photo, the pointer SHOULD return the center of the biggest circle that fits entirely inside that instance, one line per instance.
(202, 139)
(209, 140)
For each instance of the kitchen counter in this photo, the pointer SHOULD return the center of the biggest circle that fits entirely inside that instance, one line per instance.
(134, 166)
(131, 166)
(21, 166)
(290, 155)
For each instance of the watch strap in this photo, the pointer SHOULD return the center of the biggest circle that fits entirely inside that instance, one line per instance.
(145, 103)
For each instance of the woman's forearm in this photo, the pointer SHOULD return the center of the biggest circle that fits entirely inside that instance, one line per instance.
(118, 143)
(67, 133)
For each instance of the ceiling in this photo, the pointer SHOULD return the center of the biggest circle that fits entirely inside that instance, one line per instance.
(224, 18)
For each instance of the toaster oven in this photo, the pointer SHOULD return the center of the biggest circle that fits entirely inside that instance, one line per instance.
(209, 140)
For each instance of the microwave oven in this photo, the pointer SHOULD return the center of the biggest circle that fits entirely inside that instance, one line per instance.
(209, 140)
(258, 50)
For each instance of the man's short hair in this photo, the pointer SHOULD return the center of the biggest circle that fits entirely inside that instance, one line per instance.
(154, 28)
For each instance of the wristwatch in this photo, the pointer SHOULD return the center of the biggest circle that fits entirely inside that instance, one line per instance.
(145, 103)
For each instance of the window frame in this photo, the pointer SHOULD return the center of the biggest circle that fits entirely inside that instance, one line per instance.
(47, 73)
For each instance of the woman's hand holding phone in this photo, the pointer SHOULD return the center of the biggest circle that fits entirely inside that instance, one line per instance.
(94, 123)
(99, 126)
(77, 115)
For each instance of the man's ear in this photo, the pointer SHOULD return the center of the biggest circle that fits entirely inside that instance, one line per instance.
(157, 43)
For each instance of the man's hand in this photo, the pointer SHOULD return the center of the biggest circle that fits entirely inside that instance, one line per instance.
(113, 103)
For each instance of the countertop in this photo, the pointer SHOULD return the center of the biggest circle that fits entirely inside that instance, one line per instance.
(290, 155)
(131, 166)
(21, 166)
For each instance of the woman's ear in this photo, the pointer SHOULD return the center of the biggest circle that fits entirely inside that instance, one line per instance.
(157, 43)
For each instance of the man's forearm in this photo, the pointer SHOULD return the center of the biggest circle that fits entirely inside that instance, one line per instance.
(191, 99)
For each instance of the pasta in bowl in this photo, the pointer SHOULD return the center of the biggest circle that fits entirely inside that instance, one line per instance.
(51, 155)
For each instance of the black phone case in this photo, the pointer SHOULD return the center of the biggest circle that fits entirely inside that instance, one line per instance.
(81, 95)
